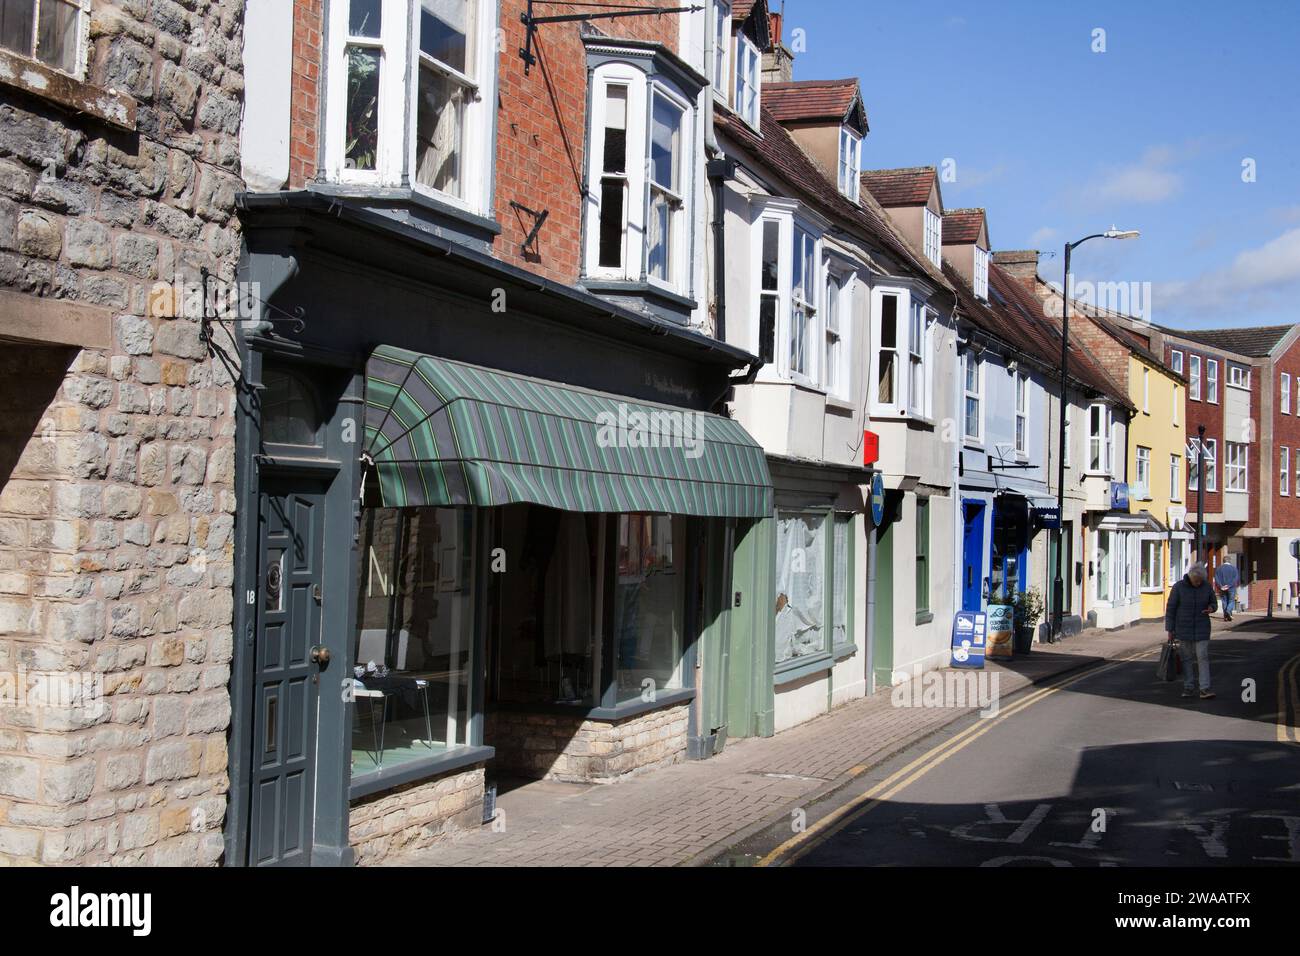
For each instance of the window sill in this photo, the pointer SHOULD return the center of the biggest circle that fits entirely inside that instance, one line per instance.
(788, 673)
(108, 106)
(840, 404)
(414, 770)
(631, 708)
(406, 196)
(924, 617)
(844, 651)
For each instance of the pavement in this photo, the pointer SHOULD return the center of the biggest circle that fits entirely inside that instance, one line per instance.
(705, 812)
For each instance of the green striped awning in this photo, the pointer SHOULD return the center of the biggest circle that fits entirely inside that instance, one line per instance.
(442, 432)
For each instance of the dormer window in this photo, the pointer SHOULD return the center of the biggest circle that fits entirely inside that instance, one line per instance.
(981, 273)
(410, 96)
(748, 71)
(850, 162)
(933, 237)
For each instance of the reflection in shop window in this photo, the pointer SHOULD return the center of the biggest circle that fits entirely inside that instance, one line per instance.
(800, 585)
(649, 601)
(414, 645)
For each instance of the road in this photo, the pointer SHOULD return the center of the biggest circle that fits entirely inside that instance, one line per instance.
(1103, 768)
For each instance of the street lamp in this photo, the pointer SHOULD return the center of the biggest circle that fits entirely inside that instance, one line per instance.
(1058, 585)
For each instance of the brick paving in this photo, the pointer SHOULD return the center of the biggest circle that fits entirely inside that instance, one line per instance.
(690, 812)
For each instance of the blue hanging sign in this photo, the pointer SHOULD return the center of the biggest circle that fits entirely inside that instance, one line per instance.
(1119, 496)
(877, 499)
(968, 637)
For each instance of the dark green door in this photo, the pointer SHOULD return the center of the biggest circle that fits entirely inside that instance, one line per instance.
(882, 638)
(286, 674)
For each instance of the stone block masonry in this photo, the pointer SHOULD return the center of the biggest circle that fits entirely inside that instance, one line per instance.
(116, 463)
(574, 749)
(412, 817)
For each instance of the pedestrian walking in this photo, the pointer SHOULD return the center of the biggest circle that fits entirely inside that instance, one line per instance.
(1187, 621)
(1226, 579)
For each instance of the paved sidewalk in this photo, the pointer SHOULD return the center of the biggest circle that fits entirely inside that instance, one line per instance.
(688, 813)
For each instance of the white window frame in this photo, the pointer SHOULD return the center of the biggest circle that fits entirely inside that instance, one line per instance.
(1284, 394)
(981, 273)
(1236, 458)
(748, 74)
(641, 92)
(1212, 459)
(790, 220)
(1284, 472)
(837, 369)
(898, 407)
(933, 227)
(1194, 377)
(400, 62)
(1022, 415)
(1099, 433)
(1295, 456)
(721, 40)
(1175, 477)
(1212, 381)
(1176, 360)
(1238, 376)
(81, 55)
(970, 359)
(850, 163)
(1151, 564)
(920, 384)
(805, 246)
(1142, 463)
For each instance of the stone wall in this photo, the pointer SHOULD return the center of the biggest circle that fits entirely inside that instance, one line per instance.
(560, 747)
(116, 496)
(414, 816)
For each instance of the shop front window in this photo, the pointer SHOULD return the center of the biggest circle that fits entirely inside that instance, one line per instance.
(413, 655)
(800, 586)
(649, 603)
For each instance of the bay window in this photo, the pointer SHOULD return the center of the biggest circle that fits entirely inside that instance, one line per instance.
(1100, 423)
(1178, 558)
(411, 96)
(886, 394)
(1102, 560)
(721, 42)
(836, 372)
(1234, 466)
(1152, 564)
(917, 370)
(850, 162)
(792, 277)
(749, 66)
(803, 304)
(50, 32)
(973, 392)
(933, 236)
(638, 217)
(769, 291)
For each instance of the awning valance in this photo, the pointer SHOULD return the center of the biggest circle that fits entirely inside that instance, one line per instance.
(443, 432)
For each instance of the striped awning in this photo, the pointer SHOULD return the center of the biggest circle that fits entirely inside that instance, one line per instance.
(442, 432)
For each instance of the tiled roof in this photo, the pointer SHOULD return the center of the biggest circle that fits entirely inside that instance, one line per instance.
(811, 99)
(1255, 343)
(900, 187)
(961, 226)
(740, 8)
(777, 151)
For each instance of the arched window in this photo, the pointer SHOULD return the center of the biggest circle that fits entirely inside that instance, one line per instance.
(290, 413)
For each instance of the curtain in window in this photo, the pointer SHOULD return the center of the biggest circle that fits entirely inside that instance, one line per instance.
(800, 586)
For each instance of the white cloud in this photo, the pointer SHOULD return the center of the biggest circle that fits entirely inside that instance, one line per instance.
(1041, 236)
(1263, 278)
(1148, 180)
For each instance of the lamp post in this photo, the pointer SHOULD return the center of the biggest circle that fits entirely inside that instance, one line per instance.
(1058, 584)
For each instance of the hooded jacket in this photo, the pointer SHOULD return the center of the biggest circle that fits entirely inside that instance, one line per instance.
(1185, 615)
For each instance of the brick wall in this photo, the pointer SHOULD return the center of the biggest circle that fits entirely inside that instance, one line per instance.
(1286, 431)
(1201, 412)
(1103, 348)
(559, 747)
(116, 502)
(304, 102)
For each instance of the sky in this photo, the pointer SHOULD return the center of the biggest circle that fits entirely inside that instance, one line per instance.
(1180, 120)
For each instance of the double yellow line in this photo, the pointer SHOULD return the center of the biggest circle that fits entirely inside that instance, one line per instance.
(821, 831)
(1288, 694)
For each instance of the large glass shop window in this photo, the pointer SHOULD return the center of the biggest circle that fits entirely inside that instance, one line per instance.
(649, 602)
(800, 585)
(413, 656)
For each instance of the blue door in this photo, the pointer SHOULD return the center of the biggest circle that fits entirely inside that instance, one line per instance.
(972, 557)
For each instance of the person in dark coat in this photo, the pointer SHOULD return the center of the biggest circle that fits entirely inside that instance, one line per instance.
(1187, 621)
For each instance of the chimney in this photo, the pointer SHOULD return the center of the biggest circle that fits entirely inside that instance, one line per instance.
(778, 62)
(1020, 264)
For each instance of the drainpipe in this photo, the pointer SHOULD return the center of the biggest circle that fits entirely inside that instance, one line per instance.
(871, 608)
(720, 171)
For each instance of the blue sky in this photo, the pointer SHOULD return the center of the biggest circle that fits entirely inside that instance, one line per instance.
(1057, 141)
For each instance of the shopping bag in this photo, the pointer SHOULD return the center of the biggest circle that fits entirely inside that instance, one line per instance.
(1167, 667)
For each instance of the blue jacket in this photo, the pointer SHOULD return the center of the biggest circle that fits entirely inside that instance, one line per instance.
(1186, 614)
(1226, 576)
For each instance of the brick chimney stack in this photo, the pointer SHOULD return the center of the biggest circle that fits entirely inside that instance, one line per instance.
(1020, 264)
(778, 62)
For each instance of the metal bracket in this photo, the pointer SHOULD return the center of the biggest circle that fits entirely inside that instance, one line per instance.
(531, 23)
(538, 219)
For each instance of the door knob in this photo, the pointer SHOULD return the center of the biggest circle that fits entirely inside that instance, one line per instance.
(320, 654)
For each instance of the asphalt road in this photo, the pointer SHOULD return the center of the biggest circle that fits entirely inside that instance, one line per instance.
(1106, 768)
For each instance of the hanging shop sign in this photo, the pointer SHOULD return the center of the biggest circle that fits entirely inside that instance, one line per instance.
(1119, 496)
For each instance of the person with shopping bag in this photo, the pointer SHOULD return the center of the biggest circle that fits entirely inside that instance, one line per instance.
(1187, 621)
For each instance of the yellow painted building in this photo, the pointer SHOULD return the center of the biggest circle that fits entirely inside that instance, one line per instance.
(1157, 479)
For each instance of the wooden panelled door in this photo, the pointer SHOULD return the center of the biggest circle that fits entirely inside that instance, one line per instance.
(287, 664)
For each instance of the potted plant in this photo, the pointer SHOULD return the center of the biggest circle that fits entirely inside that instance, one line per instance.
(1027, 611)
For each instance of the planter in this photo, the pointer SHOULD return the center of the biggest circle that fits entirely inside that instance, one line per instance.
(1024, 640)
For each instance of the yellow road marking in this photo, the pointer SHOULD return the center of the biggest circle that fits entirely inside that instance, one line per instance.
(832, 823)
